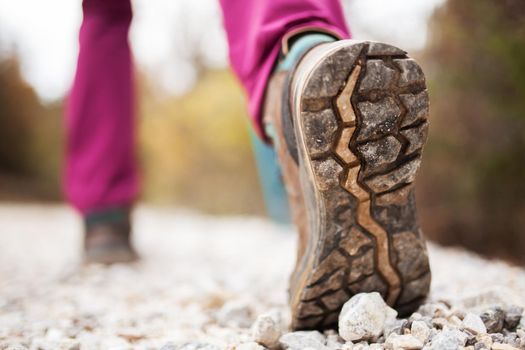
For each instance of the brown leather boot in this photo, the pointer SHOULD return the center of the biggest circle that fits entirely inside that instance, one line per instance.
(349, 123)
(107, 237)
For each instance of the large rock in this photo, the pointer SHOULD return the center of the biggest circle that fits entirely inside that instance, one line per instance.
(364, 317)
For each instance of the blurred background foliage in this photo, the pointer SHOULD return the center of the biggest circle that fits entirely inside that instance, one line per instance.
(472, 185)
(195, 149)
(30, 139)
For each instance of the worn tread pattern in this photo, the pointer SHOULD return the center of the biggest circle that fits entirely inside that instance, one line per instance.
(363, 140)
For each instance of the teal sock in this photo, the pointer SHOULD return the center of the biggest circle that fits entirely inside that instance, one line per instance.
(300, 45)
(107, 216)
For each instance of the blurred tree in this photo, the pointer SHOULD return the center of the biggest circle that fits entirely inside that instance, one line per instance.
(196, 148)
(472, 189)
(30, 139)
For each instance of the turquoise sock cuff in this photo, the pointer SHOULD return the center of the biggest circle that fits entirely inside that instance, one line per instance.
(107, 216)
(300, 46)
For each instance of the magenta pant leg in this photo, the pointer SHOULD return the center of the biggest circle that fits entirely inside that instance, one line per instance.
(100, 169)
(255, 28)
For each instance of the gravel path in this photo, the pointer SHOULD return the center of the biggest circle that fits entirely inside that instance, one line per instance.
(202, 279)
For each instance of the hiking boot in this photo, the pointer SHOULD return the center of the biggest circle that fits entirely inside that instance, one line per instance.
(348, 122)
(107, 237)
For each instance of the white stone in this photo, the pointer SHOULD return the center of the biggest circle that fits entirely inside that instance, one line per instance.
(364, 317)
(485, 339)
(235, 313)
(449, 339)
(347, 346)
(500, 346)
(69, 344)
(473, 324)
(416, 316)
(333, 341)
(376, 347)
(455, 321)
(13, 346)
(267, 329)
(521, 335)
(393, 326)
(490, 296)
(434, 310)
(195, 346)
(401, 342)
(54, 334)
(169, 346)
(420, 330)
(361, 346)
(303, 339)
(522, 322)
(249, 346)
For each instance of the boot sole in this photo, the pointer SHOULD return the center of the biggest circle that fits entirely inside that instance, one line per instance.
(360, 113)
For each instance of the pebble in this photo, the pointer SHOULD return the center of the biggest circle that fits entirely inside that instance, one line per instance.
(513, 316)
(267, 329)
(191, 346)
(235, 313)
(333, 340)
(484, 339)
(434, 310)
(494, 319)
(303, 339)
(12, 346)
(500, 346)
(358, 346)
(449, 339)
(473, 324)
(169, 346)
(376, 346)
(420, 330)
(497, 337)
(512, 338)
(250, 346)
(364, 317)
(198, 304)
(521, 335)
(405, 341)
(397, 326)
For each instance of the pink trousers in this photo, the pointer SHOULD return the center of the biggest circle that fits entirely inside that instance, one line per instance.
(101, 169)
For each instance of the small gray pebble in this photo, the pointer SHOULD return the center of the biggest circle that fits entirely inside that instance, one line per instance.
(480, 346)
(471, 339)
(169, 346)
(513, 317)
(497, 337)
(493, 319)
(512, 339)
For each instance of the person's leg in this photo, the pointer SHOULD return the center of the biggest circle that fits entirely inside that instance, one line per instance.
(255, 30)
(100, 174)
(348, 121)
